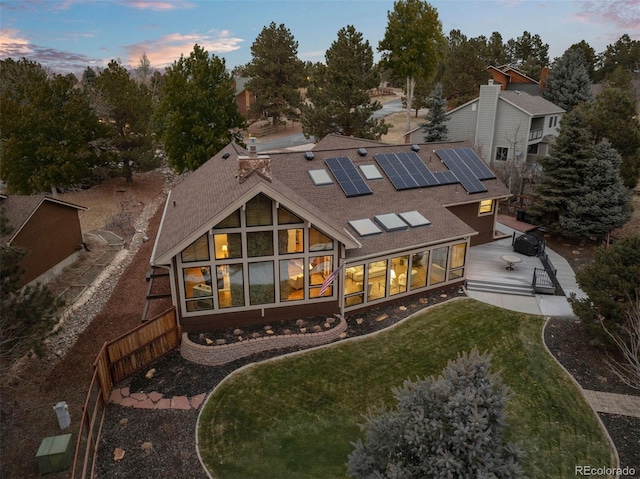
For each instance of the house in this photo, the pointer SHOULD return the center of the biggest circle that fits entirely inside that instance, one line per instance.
(505, 124)
(511, 78)
(244, 98)
(251, 238)
(48, 229)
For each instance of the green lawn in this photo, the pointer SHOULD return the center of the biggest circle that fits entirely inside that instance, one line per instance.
(296, 417)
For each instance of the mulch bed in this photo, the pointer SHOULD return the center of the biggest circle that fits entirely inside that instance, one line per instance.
(171, 433)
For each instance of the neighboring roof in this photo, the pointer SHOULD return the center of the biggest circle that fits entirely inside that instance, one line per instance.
(212, 192)
(513, 74)
(240, 84)
(534, 105)
(530, 88)
(18, 210)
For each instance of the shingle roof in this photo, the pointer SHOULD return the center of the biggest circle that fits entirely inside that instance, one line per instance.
(205, 195)
(534, 105)
(18, 209)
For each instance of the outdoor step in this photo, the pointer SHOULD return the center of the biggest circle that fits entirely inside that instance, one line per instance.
(502, 288)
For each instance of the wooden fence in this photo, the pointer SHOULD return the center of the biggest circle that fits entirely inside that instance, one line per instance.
(117, 360)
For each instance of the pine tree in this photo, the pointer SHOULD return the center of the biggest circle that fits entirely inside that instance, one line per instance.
(275, 74)
(197, 113)
(339, 97)
(450, 426)
(568, 83)
(563, 171)
(603, 204)
(436, 126)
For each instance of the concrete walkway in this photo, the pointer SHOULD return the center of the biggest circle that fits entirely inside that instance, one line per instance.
(611, 403)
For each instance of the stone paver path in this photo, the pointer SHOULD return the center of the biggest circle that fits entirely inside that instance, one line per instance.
(154, 400)
(611, 403)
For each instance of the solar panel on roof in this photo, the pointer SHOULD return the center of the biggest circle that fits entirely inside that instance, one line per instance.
(417, 169)
(475, 164)
(391, 222)
(348, 177)
(397, 173)
(446, 177)
(468, 180)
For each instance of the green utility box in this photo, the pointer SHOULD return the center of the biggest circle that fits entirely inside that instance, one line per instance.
(54, 454)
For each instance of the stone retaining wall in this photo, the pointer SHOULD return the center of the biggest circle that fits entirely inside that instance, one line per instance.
(225, 353)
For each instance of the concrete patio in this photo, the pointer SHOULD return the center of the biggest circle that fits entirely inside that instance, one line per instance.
(489, 280)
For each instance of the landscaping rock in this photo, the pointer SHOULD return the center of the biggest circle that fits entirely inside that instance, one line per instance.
(150, 373)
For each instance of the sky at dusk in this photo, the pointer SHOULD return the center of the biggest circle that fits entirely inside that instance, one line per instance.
(70, 35)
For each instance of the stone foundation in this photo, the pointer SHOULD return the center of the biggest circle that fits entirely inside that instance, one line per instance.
(217, 355)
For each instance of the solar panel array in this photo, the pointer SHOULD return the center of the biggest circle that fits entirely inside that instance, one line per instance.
(347, 176)
(469, 158)
(406, 171)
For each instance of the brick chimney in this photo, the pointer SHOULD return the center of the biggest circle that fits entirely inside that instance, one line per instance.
(254, 163)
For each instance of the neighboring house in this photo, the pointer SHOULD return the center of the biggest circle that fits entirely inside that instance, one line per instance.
(504, 125)
(251, 238)
(511, 78)
(48, 229)
(244, 98)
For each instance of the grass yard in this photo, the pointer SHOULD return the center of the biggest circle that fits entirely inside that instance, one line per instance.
(296, 417)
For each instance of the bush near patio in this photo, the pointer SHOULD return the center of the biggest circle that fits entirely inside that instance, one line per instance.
(298, 416)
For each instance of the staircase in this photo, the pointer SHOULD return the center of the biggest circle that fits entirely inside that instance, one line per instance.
(519, 289)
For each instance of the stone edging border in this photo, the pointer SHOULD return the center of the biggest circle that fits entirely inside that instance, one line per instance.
(225, 353)
(615, 455)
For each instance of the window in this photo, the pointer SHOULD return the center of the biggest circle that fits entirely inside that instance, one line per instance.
(458, 252)
(261, 283)
(550, 121)
(231, 221)
(399, 276)
(438, 265)
(502, 153)
(258, 211)
(319, 241)
(197, 251)
(260, 243)
(291, 279)
(290, 241)
(533, 149)
(486, 207)
(419, 265)
(319, 268)
(230, 285)
(377, 274)
(555, 121)
(286, 217)
(228, 245)
(197, 286)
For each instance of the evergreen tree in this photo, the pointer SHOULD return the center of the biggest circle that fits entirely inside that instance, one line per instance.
(197, 115)
(126, 107)
(275, 74)
(436, 126)
(590, 57)
(49, 133)
(339, 96)
(528, 54)
(624, 53)
(412, 45)
(563, 171)
(464, 67)
(603, 204)
(610, 117)
(610, 283)
(568, 83)
(445, 427)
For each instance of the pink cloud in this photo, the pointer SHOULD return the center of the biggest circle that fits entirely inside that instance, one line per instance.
(621, 15)
(12, 44)
(164, 51)
(158, 5)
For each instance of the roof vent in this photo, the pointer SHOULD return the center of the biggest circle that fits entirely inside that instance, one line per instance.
(362, 151)
(309, 156)
(226, 155)
(415, 148)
